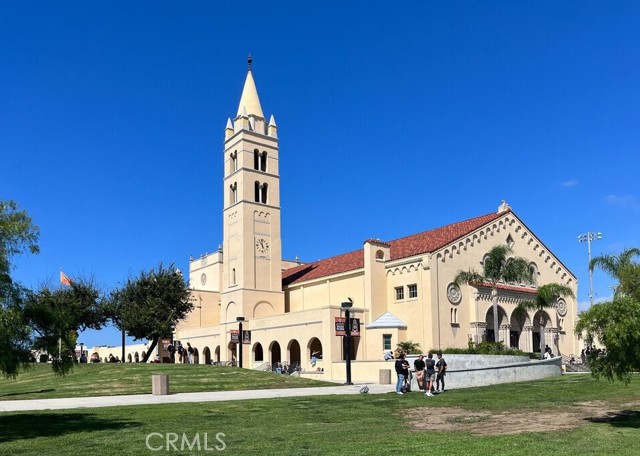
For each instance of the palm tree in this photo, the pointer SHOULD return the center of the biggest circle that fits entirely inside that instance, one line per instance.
(409, 347)
(546, 297)
(615, 265)
(497, 267)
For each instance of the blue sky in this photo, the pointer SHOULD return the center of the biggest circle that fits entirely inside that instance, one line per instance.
(392, 120)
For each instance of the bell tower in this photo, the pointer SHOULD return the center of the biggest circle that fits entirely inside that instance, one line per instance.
(252, 277)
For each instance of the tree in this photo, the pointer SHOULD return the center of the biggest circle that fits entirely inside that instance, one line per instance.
(57, 315)
(409, 347)
(546, 298)
(616, 323)
(497, 267)
(623, 268)
(18, 235)
(150, 306)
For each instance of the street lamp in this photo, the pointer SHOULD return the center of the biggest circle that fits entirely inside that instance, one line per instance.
(588, 237)
(347, 337)
(240, 320)
(81, 350)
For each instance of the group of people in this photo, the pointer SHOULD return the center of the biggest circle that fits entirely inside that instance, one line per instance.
(185, 355)
(429, 373)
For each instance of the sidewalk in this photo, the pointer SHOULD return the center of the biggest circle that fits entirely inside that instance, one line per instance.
(146, 399)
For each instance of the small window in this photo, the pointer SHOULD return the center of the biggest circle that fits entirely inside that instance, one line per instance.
(399, 293)
(454, 316)
(233, 276)
(379, 255)
(256, 159)
(263, 194)
(233, 197)
(263, 161)
(386, 341)
(510, 241)
(256, 186)
(413, 291)
(234, 161)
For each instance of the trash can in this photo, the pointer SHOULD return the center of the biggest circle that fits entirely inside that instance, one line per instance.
(160, 384)
(385, 376)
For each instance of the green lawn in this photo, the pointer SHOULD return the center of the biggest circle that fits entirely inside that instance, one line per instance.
(39, 382)
(360, 424)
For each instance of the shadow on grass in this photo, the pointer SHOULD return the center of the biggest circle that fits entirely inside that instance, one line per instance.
(48, 390)
(623, 418)
(33, 425)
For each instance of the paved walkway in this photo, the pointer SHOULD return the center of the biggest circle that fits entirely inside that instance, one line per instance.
(145, 399)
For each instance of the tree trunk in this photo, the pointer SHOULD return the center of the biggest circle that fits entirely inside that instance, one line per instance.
(154, 342)
(496, 326)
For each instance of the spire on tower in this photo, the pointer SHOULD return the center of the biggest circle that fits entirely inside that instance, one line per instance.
(249, 100)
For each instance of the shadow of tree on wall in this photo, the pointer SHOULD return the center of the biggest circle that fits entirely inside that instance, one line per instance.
(623, 418)
(33, 425)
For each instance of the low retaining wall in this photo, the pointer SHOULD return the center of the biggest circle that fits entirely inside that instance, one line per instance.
(463, 371)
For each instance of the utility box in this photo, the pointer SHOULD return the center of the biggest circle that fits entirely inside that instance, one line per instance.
(160, 384)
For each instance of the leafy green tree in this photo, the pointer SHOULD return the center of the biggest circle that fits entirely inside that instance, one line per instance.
(151, 305)
(57, 315)
(409, 347)
(18, 235)
(497, 267)
(546, 298)
(617, 325)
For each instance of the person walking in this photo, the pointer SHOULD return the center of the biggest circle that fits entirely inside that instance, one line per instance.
(441, 367)
(401, 369)
(430, 373)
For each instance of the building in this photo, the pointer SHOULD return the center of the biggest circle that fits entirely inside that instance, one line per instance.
(401, 290)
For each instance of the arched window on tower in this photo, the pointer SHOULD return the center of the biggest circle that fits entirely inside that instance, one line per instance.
(234, 161)
(263, 161)
(256, 159)
(233, 196)
(263, 193)
(256, 186)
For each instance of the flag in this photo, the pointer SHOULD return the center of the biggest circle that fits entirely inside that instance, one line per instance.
(64, 280)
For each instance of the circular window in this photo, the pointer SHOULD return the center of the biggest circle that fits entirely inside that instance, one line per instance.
(562, 307)
(454, 294)
(203, 279)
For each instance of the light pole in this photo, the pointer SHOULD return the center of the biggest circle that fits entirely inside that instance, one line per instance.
(81, 350)
(588, 237)
(240, 320)
(347, 338)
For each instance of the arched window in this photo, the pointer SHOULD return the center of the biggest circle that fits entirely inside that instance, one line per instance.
(379, 255)
(256, 186)
(233, 195)
(534, 274)
(234, 161)
(263, 161)
(233, 276)
(256, 159)
(263, 193)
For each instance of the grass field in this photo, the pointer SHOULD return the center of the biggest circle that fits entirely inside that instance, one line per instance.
(39, 382)
(569, 415)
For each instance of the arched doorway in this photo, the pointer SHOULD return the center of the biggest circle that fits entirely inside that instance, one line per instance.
(136, 357)
(502, 319)
(541, 322)
(274, 351)
(129, 358)
(518, 321)
(217, 354)
(315, 347)
(294, 353)
(196, 356)
(258, 354)
(207, 355)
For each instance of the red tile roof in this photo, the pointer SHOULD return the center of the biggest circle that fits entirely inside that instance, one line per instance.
(415, 244)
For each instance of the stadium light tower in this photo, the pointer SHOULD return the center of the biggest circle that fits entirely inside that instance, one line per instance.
(588, 237)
